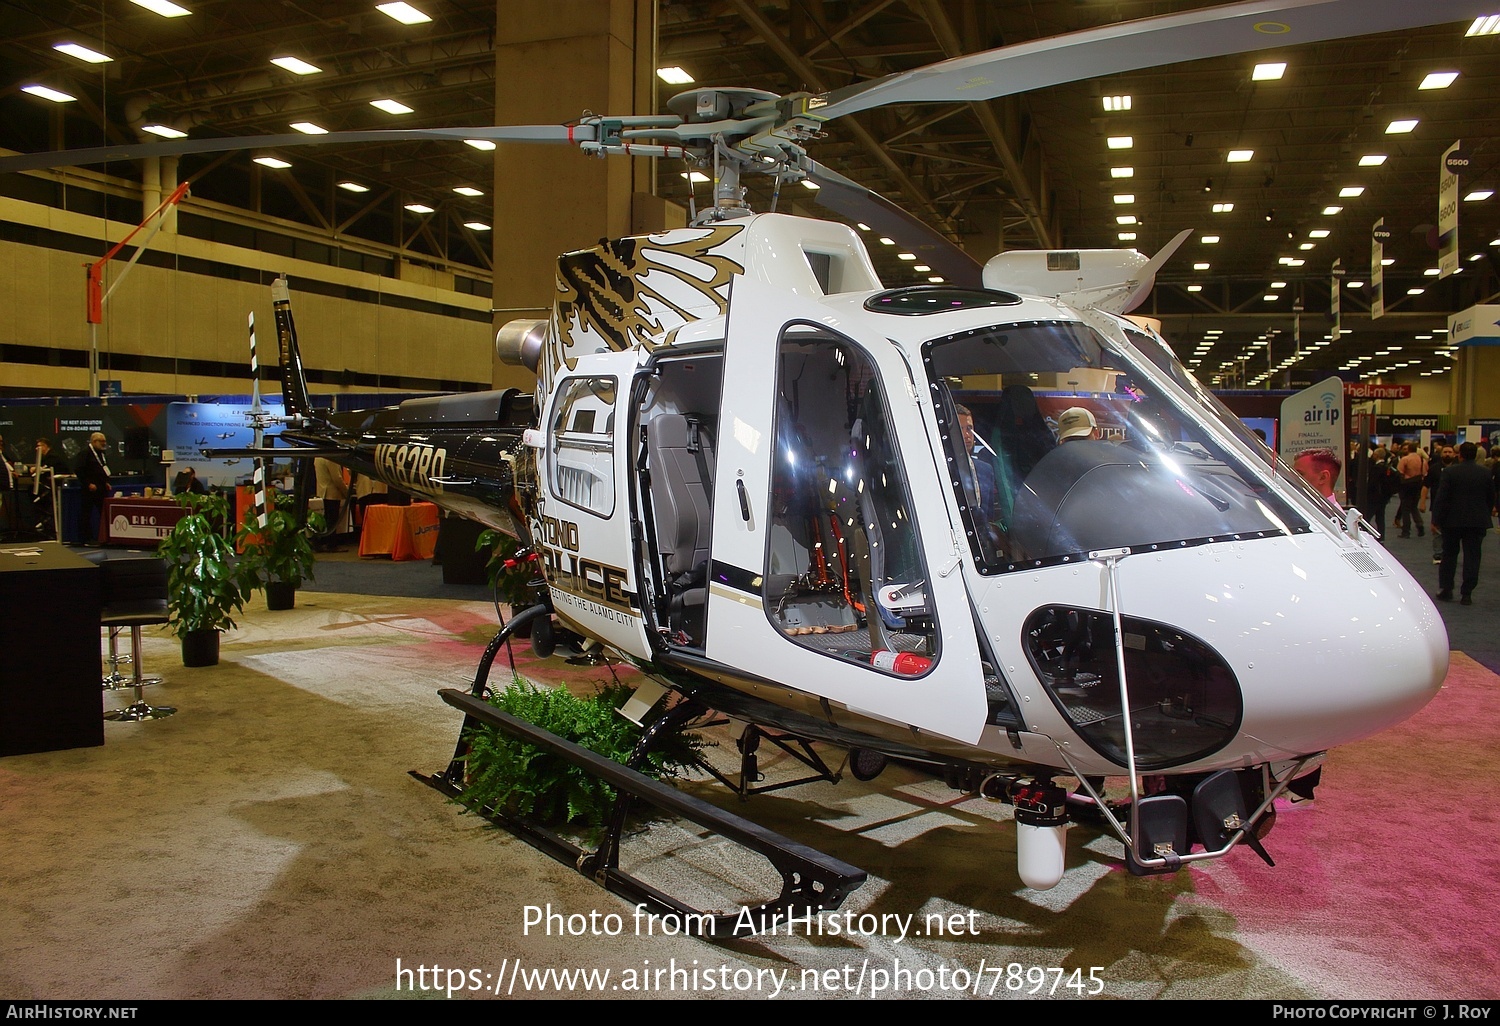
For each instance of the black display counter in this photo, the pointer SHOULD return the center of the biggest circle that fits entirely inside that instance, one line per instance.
(50, 694)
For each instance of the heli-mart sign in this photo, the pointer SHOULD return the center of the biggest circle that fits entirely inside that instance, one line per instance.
(1362, 391)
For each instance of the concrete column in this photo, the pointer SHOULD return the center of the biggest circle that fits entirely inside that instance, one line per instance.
(553, 62)
(169, 184)
(150, 185)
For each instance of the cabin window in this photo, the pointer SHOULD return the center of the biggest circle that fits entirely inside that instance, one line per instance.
(581, 461)
(845, 574)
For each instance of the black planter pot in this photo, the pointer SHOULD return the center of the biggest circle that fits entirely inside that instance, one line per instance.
(200, 648)
(280, 595)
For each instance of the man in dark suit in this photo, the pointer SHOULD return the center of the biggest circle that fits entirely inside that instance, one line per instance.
(1461, 510)
(92, 468)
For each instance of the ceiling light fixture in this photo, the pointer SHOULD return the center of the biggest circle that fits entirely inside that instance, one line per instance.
(165, 131)
(808, 183)
(1438, 80)
(467, 190)
(1209, 240)
(1126, 219)
(1223, 208)
(391, 106)
(1195, 288)
(275, 162)
(1401, 127)
(1120, 142)
(1124, 197)
(693, 176)
(1487, 25)
(1125, 236)
(165, 8)
(476, 226)
(1200, 266)
(419, 208)
(406, 14)
(55, 95)
(1372, 160)
(1330, 211)
(1479, 194)
(1268, 72)
(1351, 191)
(1319, 233)
(1122, 172)
(308, 128)
(1239, 156)
(485, 144)
(1116, 103)
(83, 53)
(353, 187)
(296, 65)
(674, 76)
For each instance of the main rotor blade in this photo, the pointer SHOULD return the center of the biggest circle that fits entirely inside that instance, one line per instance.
(860, 204)
(179, 147)
(1147, 43)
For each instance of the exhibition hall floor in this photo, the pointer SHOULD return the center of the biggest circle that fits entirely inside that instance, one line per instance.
(268, 842)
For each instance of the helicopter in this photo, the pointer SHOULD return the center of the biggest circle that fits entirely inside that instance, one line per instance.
(747, 466)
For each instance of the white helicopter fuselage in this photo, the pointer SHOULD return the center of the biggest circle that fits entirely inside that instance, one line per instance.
(750, 468)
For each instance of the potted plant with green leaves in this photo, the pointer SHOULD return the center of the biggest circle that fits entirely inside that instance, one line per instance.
(277, 558)
(204, 589)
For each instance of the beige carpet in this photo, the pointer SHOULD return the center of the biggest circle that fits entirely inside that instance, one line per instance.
(267, 842)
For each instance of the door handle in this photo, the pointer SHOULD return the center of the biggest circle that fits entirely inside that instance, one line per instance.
(739, 484)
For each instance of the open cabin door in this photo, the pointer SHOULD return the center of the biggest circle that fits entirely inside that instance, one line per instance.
(834, 565)
(582, 524)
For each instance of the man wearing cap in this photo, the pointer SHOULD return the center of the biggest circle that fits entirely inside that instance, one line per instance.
(1076, 423)
(1036, 532)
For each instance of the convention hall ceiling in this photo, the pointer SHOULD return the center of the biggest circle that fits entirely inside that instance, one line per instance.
(1019, 172)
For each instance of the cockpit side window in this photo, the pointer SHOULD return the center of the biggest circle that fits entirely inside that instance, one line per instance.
(845, 574)
(1082, 451)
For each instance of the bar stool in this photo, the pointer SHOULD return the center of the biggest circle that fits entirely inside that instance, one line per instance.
(114, 680)
(135, 596)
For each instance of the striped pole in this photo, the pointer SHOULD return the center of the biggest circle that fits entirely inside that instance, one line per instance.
(255, 415)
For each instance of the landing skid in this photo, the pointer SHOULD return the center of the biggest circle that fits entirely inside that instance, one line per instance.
(811, 881)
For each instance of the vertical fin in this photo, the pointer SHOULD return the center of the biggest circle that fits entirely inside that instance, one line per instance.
(293, 382)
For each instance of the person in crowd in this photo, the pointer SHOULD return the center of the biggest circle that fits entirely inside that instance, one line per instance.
(1384, 482)
(333, 490)
(1412, 467)
(1320, 467)
(980, 473)
(1461, 511)
(92, 469)
(42, 485)
(186, 482)
(1443, 458)
(9, 477)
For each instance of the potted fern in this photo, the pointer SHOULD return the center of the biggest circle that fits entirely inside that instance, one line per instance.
(204, 588)
(277, 558)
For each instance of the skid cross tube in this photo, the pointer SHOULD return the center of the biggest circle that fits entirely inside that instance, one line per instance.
(811, 881)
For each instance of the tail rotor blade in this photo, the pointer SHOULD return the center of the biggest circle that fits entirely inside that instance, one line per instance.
(257, 419)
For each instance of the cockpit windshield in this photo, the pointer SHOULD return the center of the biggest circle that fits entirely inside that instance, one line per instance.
(1060, 445)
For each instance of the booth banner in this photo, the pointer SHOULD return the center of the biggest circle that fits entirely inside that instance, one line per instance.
(128, 520)
(135, 433)
(1314, 419)
(193, 428)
